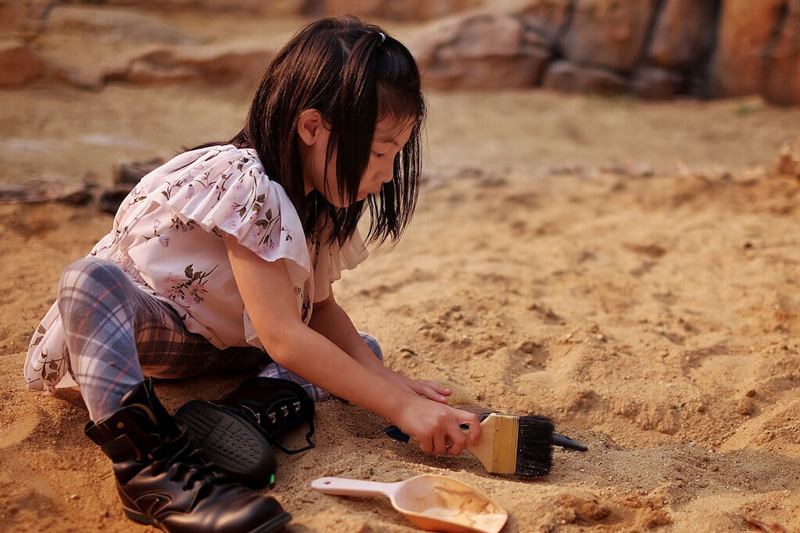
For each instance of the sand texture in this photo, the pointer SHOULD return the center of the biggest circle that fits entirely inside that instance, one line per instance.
(627, 269)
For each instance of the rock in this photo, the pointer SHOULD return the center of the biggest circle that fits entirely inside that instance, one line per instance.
(788, 163)
(745, 407)
(608, 33)
(18, 64)
(480, 50)
(655, 83)
(23, 17)
(45, 190)
(112, 25)
(260, 7)
(746, 27)
(683, 34)
(241, 64)
(569, 77)
(132, 173)
(782, 85)
(390, 9)
(544, 17)
(111, 198)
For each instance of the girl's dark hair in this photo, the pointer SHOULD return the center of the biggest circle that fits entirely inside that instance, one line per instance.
(354, 75)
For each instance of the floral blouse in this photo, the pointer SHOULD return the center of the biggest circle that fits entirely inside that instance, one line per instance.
(167, 236)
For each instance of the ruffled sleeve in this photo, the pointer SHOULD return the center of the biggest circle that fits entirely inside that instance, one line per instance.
(334, 259)
(226, 189)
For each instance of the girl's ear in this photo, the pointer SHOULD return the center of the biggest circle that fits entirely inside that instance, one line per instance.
(310, 126)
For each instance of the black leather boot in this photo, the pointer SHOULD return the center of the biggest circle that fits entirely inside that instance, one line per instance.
(162, 480)
(237, 431)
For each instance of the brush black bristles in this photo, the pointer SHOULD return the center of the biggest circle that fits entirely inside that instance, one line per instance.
(534, 446)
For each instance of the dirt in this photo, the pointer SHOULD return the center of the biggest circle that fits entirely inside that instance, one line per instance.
(627, 268)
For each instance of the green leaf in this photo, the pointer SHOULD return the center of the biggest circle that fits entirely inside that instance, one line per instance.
(261, 198)
(189, 271)
(269, 214)
(242, 211)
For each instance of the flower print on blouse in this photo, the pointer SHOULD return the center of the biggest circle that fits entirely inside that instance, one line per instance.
(167, 236)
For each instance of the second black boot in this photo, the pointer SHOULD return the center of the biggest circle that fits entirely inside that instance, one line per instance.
(163, 481)
(237, 431)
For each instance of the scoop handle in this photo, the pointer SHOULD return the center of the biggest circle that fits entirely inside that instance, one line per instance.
(353, 487)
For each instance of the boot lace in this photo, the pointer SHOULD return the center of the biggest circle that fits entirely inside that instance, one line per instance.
(180, 459)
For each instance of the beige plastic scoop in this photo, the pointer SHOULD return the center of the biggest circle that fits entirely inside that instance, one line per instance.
(432, 503)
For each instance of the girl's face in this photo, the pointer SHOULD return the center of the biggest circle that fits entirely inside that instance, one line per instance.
(391, 135)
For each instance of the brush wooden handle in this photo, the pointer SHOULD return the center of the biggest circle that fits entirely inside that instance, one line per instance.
(497, 447)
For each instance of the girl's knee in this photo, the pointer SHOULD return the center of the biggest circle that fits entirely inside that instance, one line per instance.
(372, 344)
(91, 275)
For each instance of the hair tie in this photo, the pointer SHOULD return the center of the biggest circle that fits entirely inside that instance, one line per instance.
(383, 36)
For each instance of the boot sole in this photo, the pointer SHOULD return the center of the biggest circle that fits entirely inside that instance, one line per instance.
(230, 441)
(270, 526)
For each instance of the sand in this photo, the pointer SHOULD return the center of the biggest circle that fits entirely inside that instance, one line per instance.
(629, 269)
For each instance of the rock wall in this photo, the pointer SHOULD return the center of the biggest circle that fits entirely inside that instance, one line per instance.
(648, 48)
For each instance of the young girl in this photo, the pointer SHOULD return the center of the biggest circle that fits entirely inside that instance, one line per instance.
(233, 246)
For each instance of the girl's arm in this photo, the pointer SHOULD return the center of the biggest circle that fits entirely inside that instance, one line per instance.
(331, 321)
(269, 298)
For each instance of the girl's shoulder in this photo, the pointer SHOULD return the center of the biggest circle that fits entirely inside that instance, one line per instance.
(220, 158)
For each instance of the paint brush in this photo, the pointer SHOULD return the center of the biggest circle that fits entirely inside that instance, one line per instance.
(509, 444)
(512, 444)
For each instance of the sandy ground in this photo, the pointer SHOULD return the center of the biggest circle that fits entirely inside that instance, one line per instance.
(628, 269)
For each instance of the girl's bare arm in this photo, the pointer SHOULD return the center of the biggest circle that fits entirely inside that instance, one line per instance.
(331, 321)
(270, 300)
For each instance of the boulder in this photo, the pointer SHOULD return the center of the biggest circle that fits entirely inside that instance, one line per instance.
(656, 83)
(23, 17)
(608, 33)
(683, 34)
(479, 50)
(236, 64)
(782, 83)
(256, 7)
(112, 25)
(746, 28)
(788, 163)
(37, 190)
(546, 18)
(568, 77)
(18, 65)
(390, 9)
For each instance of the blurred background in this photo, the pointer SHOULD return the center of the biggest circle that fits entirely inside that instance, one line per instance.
(529, 84)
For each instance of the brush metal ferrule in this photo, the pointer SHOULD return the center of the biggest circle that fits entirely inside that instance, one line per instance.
(506, 436)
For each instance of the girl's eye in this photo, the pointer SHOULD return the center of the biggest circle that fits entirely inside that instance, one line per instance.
(378, 156)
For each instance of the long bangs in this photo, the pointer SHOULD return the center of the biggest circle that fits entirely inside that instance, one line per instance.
(393, 93)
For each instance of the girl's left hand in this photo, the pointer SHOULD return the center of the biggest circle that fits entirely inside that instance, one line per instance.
(428, 389)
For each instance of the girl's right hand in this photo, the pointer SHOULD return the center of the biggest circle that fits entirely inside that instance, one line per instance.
(437, 427)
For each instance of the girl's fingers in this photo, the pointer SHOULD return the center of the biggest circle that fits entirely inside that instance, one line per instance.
(439, 443)
(444, 391)
(456, 440)
(471, 420)
(426, 445)
(424, 388)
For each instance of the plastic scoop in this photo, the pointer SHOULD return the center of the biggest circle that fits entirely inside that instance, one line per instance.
(432, 503)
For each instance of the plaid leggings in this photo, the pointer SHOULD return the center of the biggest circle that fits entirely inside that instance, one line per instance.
(116, 333)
